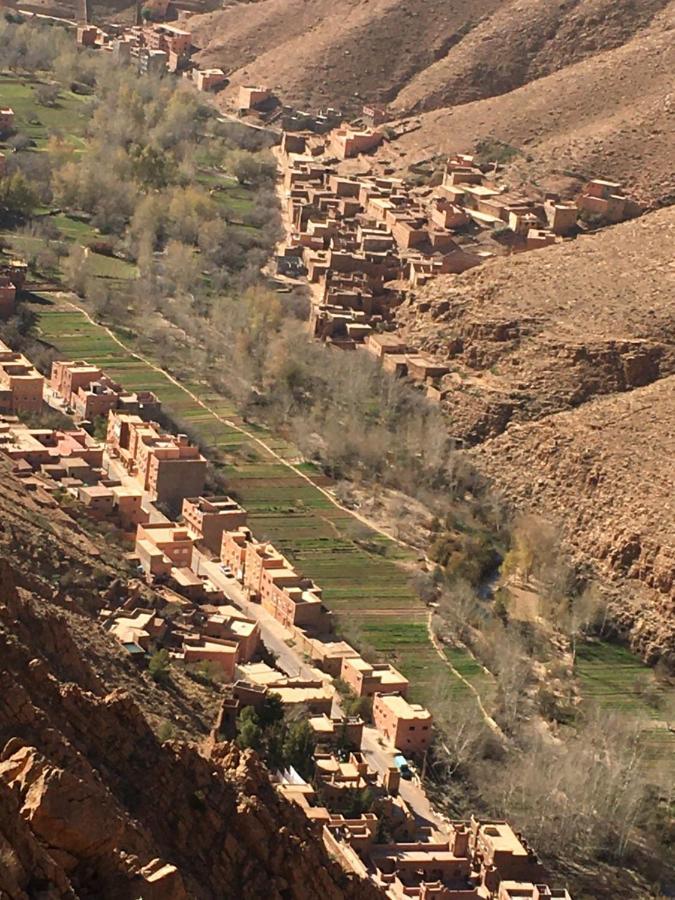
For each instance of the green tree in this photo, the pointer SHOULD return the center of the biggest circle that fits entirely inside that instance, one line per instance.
(298, 748)
(159, 667)
(249, 732)
(17, 197)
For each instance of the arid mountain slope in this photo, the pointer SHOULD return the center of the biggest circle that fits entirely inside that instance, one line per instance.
(605, 474)
(548, 330)
(91, 803)
(522, 41)
(318, 52)
(610, 115)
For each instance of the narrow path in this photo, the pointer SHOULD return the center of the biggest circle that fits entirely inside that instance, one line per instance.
(489, 721)
(249, 434)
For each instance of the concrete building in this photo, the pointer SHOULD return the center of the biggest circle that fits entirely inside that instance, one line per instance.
(220, 653)
(85, 35)
(343, 730)
(366, 679)
(208, 518)
(230, 624)
(233, 550)
(407, 726)
(21, 385)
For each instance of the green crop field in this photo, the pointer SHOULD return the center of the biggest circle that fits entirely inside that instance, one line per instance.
(617, 680)
(358, 570)
(67, 118)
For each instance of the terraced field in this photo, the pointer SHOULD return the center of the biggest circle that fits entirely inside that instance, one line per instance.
(615, 679)
(364, 576)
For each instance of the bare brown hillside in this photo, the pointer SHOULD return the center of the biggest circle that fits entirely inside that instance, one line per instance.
(604, 473)
(546, 331)
(523, 41)
(612, 114)
(92, 804)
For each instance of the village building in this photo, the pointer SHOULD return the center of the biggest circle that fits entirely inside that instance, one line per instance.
(347, 142)
(233, 550)
(208, 518)
(342, 731)
(162, 547)
(251, 98)
(291, 598)
(230, 624)
(21, 385)
(141, 628)
(502, 855)
(37, 447)
(168, 468)
(86, 35)
(406, 726)
(128, 507)
(324, 654)
(366, 679)
(215, 651)
(208, 79)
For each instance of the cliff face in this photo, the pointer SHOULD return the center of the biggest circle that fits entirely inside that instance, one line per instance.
(92, 804)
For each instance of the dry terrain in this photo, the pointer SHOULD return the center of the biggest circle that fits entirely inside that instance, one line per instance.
(563, 382)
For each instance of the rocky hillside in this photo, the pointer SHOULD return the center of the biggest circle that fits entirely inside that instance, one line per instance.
(92, 804)
(563, 369)
(604, 474)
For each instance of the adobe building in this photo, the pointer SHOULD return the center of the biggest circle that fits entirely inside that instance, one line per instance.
(253, 98)
(325, 655)
(502, 855)
(522, 890)
(230, 624)
(346, 142)
(21, 385)
(166, 467)
(366, 679)
(233, 550)
(342, 730)
(171, 541)
(140, 627)
(85, 35)
(209, 79)
(604, 199)
(406, 726)
(68, 376)
(208, 518)
(220, 653)
(3, 164)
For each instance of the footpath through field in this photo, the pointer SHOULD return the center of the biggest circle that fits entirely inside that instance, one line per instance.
(363, 571)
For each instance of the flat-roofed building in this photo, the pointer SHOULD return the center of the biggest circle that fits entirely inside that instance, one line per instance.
(173, 541)
(169, 468)
(343, 730)
(231, 624)
(503, 854)
(233, 550)
(221, 653)
(367, 679)
(207, 518)
(407, 726)
(20, 382)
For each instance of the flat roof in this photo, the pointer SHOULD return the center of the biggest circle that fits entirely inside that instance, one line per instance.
(402, 709)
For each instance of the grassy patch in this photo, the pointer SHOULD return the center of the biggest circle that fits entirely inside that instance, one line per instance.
(67, 118)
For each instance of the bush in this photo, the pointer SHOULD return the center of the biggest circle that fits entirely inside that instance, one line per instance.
(159, 667)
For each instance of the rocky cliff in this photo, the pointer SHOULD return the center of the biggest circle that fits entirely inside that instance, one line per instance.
(92, 803)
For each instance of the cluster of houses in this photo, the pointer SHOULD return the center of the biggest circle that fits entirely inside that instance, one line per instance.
(155, 48)
(364, 241)
(358, 811)
(12, 275)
